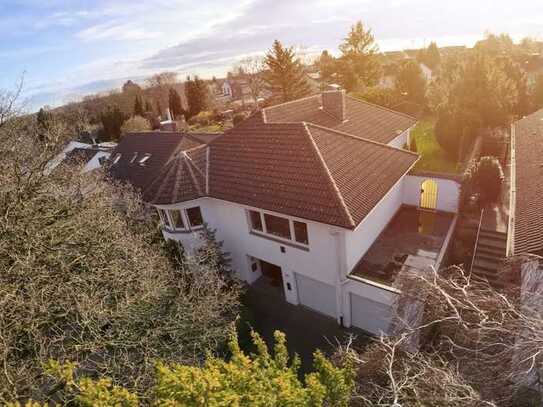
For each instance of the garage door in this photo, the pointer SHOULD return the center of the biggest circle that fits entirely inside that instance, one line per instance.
(318, 296)
(369, 315)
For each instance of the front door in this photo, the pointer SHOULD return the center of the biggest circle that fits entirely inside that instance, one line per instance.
(272, 273)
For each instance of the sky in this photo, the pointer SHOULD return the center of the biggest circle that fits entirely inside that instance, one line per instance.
(68, 48)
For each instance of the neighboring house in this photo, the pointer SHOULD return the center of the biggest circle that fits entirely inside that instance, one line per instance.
(93, 155)
(525, 232)
(427, 72)
(533, 67)
(313, 199)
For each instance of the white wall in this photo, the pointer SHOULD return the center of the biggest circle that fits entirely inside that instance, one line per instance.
(401, 140)
(94, 162)
(357, 242)
(448, 192)
(320, 262)
(368, 305)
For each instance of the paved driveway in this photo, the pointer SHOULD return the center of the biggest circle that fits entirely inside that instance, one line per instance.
(306, 330)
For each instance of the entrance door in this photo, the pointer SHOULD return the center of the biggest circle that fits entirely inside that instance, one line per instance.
(428, 194)
(272, 273)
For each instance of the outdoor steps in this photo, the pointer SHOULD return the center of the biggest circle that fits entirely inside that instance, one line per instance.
(489, 256)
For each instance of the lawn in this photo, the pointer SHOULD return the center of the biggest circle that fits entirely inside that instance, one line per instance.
(433, 157)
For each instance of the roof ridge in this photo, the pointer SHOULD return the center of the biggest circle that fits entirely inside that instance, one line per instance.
(381, 107)
(187, 162)
(329, 176)
(166, 170)
(191, 162)
(342, 133)
(287, 103)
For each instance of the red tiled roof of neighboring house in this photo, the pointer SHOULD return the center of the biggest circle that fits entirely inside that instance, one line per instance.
(363, 119)
(528, 205)
(160, 145)
(297, 169)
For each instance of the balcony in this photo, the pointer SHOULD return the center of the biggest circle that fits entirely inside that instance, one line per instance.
(414, 238)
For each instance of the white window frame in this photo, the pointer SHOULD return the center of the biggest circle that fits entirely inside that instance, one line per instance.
(164, 221)
(144, 159)
(264, 232)
(134, 157)
(185, 227)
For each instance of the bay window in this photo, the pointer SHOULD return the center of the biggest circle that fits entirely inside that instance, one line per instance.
(163, 217)
(195, 216)
(177, 219)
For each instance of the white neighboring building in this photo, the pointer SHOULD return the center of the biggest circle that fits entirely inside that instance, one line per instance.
(302, 203)
(94, 155)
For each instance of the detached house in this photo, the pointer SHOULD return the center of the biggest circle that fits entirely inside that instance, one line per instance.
(312, 198)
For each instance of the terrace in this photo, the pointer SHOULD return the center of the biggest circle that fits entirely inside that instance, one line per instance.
(414, 238)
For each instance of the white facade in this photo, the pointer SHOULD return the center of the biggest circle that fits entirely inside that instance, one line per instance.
(316, 275)
(447, 195)
(402, 139)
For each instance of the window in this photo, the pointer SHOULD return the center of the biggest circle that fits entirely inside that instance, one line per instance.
(300, 232)
(116, 158)
(163, 217)
(144, 159)
(256, 220)
(195, 216)
(134, 158)
(277, 226)
(177, 219)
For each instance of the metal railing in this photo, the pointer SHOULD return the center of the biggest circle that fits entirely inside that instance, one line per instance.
(477, 239)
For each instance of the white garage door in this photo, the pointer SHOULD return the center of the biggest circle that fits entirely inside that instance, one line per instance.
(369, 315)
(318, 296)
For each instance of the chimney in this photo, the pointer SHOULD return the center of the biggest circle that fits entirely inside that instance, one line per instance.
(333, 102)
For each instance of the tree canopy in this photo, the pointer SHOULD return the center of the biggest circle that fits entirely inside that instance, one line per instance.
(197, 95)
(176, 107)
(258, 380)
(85, 277)
(358, 65)
(410, 83)
(285, 76)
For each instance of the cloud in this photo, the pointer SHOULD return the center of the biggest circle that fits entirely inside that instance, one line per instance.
(116, 32)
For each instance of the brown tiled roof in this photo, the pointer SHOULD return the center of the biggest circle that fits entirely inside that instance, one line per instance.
(363, 119)
(274, 167)
(297, 169)
(363, 171)
(528, 216)
(183, 178)
(161, 145)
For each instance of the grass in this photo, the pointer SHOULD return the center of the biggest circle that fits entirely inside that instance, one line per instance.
(433, 157)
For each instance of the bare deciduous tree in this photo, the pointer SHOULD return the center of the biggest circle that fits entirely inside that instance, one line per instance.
(162, 79)
(470, 336)
(10, 103)
(84, 277)
(250, 69)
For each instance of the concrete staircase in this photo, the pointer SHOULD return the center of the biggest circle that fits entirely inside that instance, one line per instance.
(489, 256)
